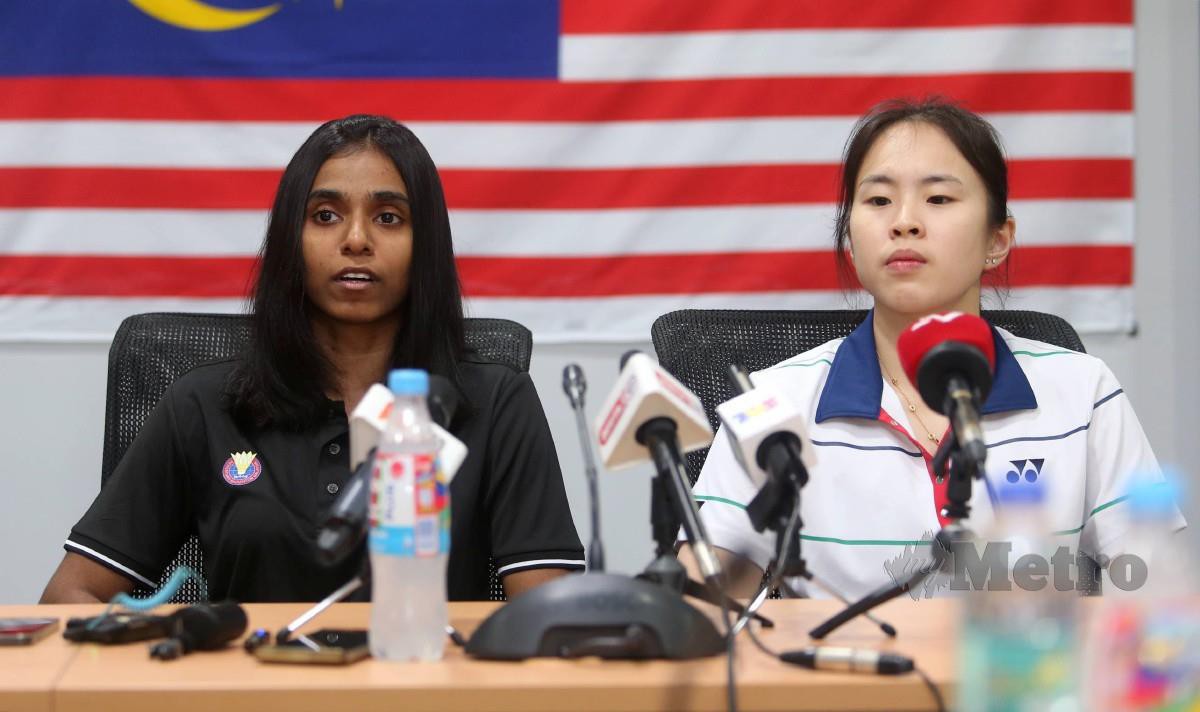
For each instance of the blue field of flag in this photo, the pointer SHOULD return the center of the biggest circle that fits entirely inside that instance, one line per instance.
(281, 38)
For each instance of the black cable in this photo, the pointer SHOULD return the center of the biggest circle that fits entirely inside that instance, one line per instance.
(773, 581)
(777, 575)
(730, 655)
(933, 689)
(789, 533)
(759, 644)
(717, 585)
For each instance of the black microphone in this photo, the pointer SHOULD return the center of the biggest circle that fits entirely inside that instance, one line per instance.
(346, 524)
(575, 386)
(443, 400)
(950, 358)
(205, 626)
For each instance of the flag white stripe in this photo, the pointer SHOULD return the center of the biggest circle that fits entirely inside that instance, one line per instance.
(1090, 309)
(554, 320)
(569, 145)
(695, 55)
(758, 228)
(115, 231)
(536, 233)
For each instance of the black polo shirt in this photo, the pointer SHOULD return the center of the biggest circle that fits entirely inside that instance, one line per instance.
(256, 499)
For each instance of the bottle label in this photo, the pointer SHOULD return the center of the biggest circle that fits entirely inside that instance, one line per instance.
(410, 513)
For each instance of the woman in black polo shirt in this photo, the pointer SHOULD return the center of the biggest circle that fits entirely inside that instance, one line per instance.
(357, 277)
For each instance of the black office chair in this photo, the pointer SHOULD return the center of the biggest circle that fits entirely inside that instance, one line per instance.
(149, 351)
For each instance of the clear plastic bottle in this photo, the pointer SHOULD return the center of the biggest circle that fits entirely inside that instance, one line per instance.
(1146, 648)
(1020, 634)
(410, 530)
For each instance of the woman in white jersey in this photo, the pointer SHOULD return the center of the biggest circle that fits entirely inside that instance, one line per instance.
(923, 223)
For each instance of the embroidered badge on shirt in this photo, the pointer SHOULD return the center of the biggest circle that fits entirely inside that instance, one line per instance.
(241, 468)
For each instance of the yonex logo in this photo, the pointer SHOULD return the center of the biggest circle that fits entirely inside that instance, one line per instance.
(1028, 470)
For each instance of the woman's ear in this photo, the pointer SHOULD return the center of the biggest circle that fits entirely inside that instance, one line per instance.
(1000, 244)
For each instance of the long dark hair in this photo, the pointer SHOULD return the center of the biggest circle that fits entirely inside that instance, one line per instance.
(283, 375)
(974, 137)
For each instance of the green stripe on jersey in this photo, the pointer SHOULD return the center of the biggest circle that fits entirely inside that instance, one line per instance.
(1043, 353)
(1093, 513)
(902, 542)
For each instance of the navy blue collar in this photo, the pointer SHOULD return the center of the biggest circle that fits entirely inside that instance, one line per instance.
(854, 388)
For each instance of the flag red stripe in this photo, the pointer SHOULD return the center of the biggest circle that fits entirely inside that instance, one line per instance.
(548, 189)
(162, 188)
(533, 277)
(1047, 179)
(621, 16)
(314, 100)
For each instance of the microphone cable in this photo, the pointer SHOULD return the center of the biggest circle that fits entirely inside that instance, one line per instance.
(939, 701)
(934, 692)
(731, 702)
(163, 595)
(774, 581)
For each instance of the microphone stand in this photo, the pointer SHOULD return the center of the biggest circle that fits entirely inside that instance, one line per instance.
(342, 593)
(600, 614)
(777, 507)
(668, 510)
(964, 468)
(574, 385)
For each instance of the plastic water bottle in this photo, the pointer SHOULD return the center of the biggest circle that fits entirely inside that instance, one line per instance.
(1146, 652)
(1019, 646)
(410, 530)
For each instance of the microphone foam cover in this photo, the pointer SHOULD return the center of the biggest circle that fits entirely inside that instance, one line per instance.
(918, 339)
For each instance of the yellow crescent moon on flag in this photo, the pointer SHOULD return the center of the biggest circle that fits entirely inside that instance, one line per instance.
(197, 15)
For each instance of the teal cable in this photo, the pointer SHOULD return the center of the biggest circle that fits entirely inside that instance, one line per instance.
(163, 595)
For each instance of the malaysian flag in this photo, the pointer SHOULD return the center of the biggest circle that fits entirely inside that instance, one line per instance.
(605, 162)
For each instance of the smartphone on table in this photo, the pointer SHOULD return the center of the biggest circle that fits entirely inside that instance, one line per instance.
(328, 646)
(24, 631)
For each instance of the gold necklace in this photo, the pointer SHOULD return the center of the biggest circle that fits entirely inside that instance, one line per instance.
(911, 408)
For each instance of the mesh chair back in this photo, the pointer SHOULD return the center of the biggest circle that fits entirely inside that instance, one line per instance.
(150, 351)
(697, 345)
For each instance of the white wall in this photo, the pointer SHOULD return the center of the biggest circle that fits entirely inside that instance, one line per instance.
(51, 420)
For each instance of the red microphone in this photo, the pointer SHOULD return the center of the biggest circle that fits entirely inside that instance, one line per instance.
(950, 358)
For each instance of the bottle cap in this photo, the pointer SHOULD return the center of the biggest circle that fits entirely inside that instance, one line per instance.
(408, 382)
(1151, 497)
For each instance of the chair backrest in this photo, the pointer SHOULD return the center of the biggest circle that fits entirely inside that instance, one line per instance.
(150, 351)
(698, 345)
